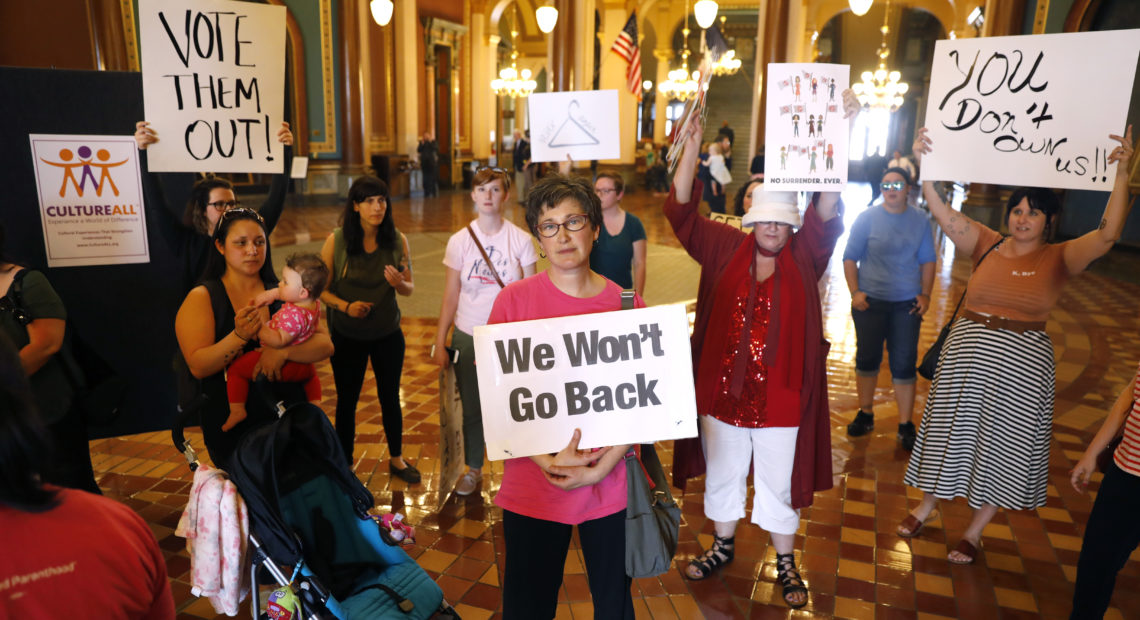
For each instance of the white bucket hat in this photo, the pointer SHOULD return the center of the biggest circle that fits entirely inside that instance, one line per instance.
(772, 206)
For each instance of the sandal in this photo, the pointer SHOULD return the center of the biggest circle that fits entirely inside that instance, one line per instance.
(722, 552)
(967, 549)
(790, 579)
(912, 525)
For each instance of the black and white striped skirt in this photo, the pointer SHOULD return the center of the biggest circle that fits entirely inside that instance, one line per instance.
(989, 419)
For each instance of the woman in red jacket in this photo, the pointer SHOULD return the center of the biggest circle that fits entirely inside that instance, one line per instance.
(760, 366)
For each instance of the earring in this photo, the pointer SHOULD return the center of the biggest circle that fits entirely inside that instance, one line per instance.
(542, 254)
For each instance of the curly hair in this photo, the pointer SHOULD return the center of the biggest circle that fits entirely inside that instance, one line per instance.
(551, 191)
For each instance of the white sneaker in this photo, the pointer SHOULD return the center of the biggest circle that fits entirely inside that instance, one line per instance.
(467, 483)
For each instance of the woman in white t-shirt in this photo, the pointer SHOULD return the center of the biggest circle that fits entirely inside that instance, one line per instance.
(481, 259)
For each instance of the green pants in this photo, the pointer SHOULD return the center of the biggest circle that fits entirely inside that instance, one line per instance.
(465, 375)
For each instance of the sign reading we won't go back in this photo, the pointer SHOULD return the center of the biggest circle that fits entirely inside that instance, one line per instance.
(621, 377)
(213, 85)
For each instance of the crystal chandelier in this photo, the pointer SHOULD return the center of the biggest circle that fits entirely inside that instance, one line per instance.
(680, 85)
(511, 82)
(882, 89)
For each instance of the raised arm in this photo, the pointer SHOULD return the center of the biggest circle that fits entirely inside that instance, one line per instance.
(687, 167)
(401, 279)
(828, 204)
(1091, 246)
(274, 203)
(962, 230)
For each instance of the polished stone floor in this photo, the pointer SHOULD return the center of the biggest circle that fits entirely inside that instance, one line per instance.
(854, 564)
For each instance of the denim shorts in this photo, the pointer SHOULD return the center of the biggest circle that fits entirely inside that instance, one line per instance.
(892, 322)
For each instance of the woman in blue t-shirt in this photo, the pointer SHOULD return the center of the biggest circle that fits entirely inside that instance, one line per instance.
(889, 266)
(619, 253)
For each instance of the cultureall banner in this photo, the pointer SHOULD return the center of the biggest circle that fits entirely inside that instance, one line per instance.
(213, 84)
(621, 377)
(1031, 110)
(806, 144)
(91, 204)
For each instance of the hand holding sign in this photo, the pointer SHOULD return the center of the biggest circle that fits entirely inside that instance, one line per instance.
(573, 468)
(146, 136)
(1122, 155)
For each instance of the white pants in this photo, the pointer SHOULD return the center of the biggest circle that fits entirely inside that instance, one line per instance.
(728, 452)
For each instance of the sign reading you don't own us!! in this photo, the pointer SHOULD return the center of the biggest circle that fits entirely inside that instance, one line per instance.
(621, 377)
(213, 84)
(1030, 110)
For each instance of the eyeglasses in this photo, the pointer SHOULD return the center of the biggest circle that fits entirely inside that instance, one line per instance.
(889, 185)
(604, 191)
(770, 224)
(574, 223)
(242, 213)
(224, 205)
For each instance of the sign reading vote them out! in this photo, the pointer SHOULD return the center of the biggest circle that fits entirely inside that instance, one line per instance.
(213, 85)
(622, 377)
(1030, 110)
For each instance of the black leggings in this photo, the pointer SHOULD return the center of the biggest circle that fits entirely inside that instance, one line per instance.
(349, 362)
(1112, 534)
(536, 553)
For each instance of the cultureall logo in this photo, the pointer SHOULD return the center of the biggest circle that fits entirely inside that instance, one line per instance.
(84, 163)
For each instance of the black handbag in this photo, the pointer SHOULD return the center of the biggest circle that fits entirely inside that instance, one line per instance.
(929, 365)
(652, 518)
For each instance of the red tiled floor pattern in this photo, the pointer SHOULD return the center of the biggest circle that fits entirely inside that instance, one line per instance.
(854, 564)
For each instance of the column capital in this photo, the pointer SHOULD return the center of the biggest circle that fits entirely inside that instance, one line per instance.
(665, 54)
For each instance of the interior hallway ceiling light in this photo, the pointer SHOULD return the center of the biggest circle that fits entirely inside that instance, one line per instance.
(728, 63)
(680, 85)
(547, 18)
(511, 82)
(860, 7)
(705, 12)
(882, 88)
(382, 11)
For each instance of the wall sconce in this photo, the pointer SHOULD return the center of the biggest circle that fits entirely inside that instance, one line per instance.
(382, 11)
(705, 12)
(547, 18)
(860, 7)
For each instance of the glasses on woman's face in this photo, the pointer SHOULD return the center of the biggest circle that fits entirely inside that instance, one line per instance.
(889, 185)
(574, 223)
(224, 205)
(242, 213)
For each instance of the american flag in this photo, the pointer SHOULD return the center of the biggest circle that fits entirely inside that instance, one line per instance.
(626, 47)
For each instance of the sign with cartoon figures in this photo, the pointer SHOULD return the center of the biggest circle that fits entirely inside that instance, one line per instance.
(213, 85)
(581, 124)
(621, 377)
(91, 202)
(1030, 110)
(806, 136)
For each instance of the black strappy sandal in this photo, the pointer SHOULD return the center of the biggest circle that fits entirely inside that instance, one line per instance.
(790, 578)
(722, 552)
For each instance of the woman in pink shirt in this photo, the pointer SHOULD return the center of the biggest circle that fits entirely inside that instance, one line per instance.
(544, 496)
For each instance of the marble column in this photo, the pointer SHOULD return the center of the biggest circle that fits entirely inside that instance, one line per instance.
(407, 74)
(352, 94)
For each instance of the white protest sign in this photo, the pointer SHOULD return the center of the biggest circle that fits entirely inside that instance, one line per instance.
(91, 200)
(213, 85)
(805, 146)
(622, 377)
(1029, 110)
(582, 124)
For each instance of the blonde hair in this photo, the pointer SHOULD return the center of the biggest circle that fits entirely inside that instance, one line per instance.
(714, 149)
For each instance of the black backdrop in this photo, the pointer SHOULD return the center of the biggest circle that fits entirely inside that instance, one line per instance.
(125, 311)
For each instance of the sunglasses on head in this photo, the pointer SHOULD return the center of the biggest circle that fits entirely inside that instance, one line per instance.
(491, 168)
(242, 213)
(889, 185)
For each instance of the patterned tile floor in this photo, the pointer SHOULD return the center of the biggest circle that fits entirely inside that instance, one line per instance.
(854, 564)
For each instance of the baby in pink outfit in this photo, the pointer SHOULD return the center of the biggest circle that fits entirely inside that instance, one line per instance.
(302, 281)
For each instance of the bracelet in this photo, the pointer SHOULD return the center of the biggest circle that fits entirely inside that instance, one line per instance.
(239, 336)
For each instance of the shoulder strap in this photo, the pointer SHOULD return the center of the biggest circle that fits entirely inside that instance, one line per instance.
(16, 299)
(627, 299)
(486, 259)
(963, 297)
(340, 255)
(219, 301)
